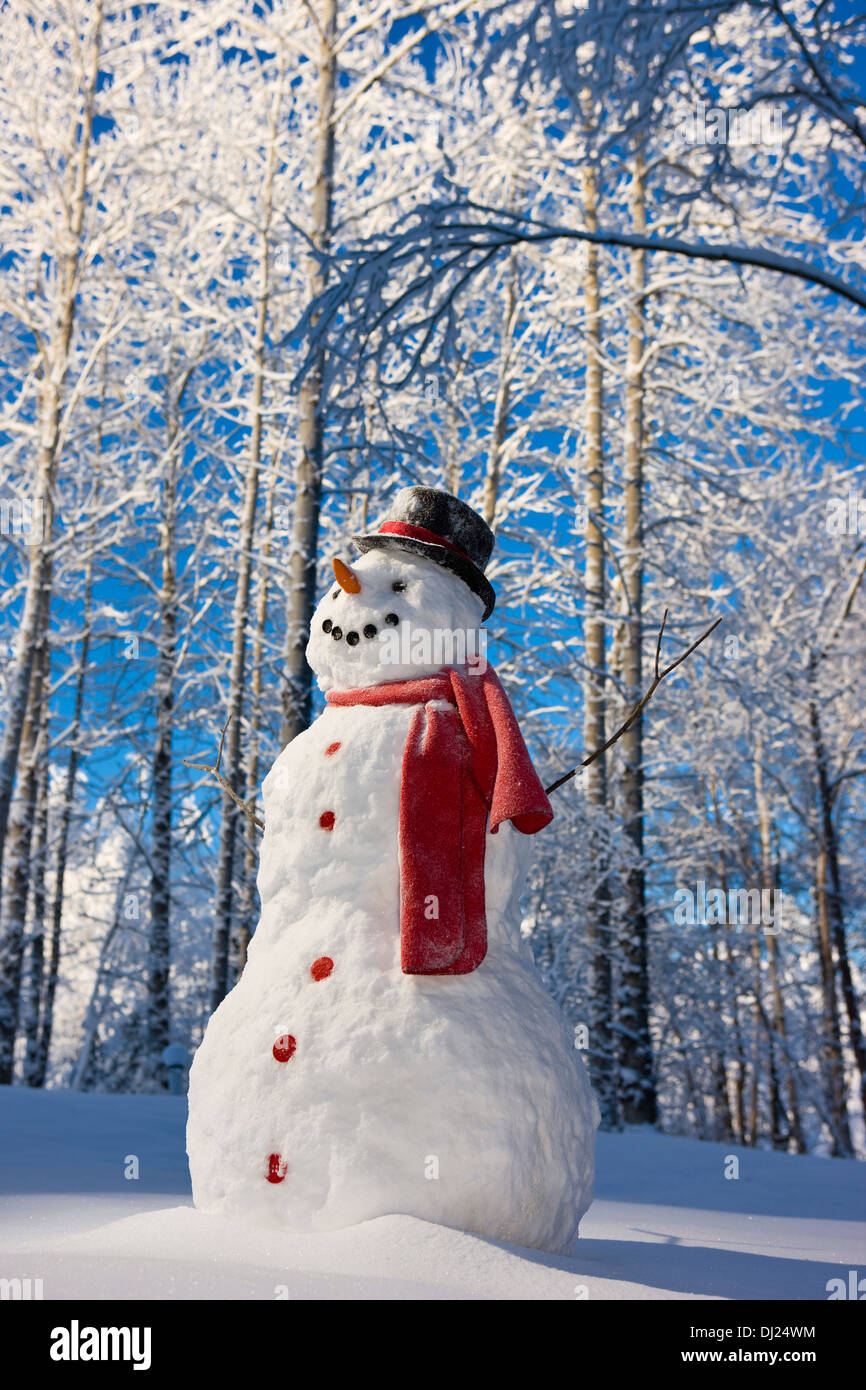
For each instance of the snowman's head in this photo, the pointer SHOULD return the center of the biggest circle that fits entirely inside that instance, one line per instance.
(393, 615)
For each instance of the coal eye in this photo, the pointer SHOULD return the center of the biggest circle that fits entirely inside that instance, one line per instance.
(335, 594)
(398, 586)
(391, 619)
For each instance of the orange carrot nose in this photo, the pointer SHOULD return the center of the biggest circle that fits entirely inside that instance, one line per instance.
(346, 578)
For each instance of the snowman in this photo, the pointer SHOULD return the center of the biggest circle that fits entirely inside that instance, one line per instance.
(389, 1047)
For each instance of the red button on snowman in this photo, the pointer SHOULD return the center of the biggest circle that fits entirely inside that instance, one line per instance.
(390, 1047)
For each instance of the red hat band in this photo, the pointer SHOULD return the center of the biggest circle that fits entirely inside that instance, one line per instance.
(420, 533)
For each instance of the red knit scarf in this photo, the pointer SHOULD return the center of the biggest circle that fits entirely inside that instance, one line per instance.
(462, 768)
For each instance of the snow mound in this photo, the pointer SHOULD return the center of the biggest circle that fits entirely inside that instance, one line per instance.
(666, 1223)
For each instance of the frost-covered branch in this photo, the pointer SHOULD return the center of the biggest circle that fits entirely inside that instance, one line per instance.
(398, 291)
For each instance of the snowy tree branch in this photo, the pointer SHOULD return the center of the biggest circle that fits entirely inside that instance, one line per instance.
(445, 245)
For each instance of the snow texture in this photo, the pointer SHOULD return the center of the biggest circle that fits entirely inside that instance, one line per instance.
(457, 1100)
(665, 1223)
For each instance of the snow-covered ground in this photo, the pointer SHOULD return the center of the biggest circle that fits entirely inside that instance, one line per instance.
(666, 1222)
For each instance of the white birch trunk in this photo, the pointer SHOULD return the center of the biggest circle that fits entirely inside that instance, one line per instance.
(308, 471)
(637, 1086)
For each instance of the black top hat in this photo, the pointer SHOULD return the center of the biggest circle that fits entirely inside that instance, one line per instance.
(429, 522)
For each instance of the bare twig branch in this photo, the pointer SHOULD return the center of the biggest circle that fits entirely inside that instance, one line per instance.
(658, 677)
(227, 788)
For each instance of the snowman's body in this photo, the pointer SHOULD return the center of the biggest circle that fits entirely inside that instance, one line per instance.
(455, 1098)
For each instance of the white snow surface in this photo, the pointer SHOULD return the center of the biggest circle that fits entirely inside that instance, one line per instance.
(458, 1099)
(665, 1223)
